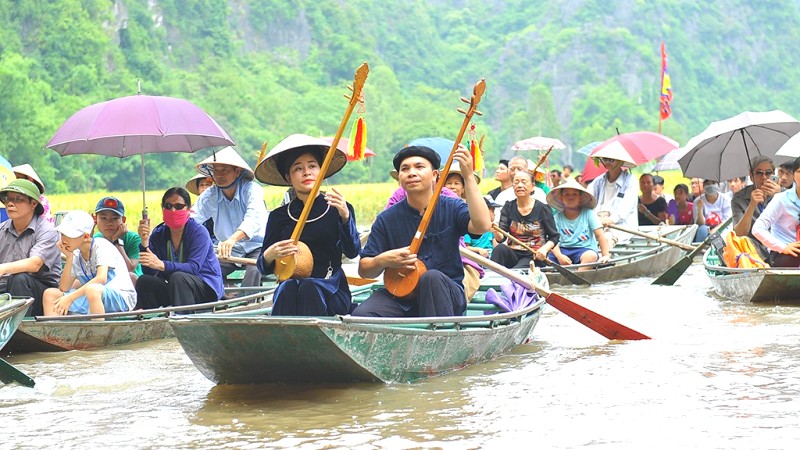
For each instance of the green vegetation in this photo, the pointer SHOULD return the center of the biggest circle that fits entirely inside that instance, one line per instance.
(265, 69)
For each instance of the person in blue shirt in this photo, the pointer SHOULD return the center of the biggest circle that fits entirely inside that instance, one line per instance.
(177, 257)
(329, 231)
(439, 291)
(236, 203)
(581, 236)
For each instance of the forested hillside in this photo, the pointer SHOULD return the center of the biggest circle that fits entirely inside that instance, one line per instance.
(264, 69)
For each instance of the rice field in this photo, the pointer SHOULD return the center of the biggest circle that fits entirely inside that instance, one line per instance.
(367, 200)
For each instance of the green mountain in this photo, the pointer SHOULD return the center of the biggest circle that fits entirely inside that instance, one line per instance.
(264, 69)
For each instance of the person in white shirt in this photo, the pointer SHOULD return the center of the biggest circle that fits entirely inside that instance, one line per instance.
(515, 165)
(617, 193)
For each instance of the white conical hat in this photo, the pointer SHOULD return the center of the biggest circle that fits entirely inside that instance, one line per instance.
(554, 196)
(27, 170)
(269, 172)
(226, 156)
(455, 167)
(191, 185)
(614, 150)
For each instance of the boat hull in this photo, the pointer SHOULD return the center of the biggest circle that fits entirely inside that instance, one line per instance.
(640, 258)
(12, 310)
(771, 285)
(255, 350)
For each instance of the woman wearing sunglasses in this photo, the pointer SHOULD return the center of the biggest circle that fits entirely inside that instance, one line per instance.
(178, 260)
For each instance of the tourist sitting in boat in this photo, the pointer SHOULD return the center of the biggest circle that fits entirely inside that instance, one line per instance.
(103, 281)
(26, 172)
(455, 182)
(439, 291)
(680, 211)
(652, 208)
(197, 185)
(748, 203)
(658, 188)
(528, 220)
(109, 215)
(616, 193)
(711, 209)
(581, 239)
(30, 261)
(697, 189)
(785, 175)
(501, 174)
(178, 260)
(329, 231)
(778, 226)
(567, 172)
(236, 203)
(555, 177)
(736, 184)
(516, 164)
(483, 244)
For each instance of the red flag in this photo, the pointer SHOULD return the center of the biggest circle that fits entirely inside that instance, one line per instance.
(666, 86)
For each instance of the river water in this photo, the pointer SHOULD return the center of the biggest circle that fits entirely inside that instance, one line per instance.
(717, 374)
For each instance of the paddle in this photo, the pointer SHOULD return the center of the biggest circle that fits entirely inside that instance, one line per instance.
(663, 240)
(10, 374)
(672, 274)
(353, 281)
(568, 274)
(598, 323)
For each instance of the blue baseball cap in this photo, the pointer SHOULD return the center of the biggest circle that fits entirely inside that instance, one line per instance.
(110, 204)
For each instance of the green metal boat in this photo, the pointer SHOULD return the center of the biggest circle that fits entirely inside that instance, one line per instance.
(254, 347)
(87, 332)
(12, 311)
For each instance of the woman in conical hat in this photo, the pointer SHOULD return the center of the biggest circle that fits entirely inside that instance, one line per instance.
(26, 172)
(581, 234)
(199, 183)
(454, 180)
(329, 231)
(236, 203)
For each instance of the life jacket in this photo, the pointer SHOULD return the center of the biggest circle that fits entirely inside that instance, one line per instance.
(740, 252)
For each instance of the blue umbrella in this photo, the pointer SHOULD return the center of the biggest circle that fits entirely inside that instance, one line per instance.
(441, 146)
(587, 149)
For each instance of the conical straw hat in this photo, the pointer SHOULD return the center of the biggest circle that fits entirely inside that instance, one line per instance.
(269, 169)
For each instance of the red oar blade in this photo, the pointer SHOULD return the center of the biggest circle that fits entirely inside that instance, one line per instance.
(601, 324)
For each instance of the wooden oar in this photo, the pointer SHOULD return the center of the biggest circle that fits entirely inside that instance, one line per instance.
(598, 323)
(285, 267)
(353, 281)
(10, 374)
(672, 274)
(663, 240)
(568, 274)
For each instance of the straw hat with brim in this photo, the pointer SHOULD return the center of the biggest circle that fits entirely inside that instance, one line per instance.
(27, 170)
(275, 165)
(192, 184)
(225, 156)
(455, 167)
(28, 189)
(554, 196)
(614, 150)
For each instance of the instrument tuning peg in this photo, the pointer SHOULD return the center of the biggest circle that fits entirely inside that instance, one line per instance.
(350, 88)
(478, 112)
(465, 100)
(347, 96)
(461, 110)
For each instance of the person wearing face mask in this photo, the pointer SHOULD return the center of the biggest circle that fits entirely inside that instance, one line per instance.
(711, 209)
(178, 260)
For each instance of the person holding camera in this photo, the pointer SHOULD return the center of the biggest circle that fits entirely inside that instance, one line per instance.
(748, 204)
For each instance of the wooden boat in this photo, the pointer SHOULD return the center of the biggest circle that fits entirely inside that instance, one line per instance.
(638, 258)
(252, 348)
(12, 310)
(86, 332)
(776, 285)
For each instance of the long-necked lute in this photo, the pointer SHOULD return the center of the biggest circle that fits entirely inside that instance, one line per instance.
(287, 266)
(402, 282)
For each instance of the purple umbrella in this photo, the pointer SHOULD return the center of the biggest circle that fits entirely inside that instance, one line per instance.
(136, 125)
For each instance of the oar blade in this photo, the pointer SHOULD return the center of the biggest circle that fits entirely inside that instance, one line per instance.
(10, 374)
(600, 324)
(672, 274)
(573, 277)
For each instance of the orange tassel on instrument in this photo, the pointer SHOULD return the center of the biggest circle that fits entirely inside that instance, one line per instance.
(358, 140)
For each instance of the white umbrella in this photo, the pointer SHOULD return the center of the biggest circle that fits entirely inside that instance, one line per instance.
(723, 151)
(670, 160)
(791, 149)
(538, 143)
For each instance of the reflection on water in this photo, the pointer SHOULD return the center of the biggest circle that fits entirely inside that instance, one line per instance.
(717, 374)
